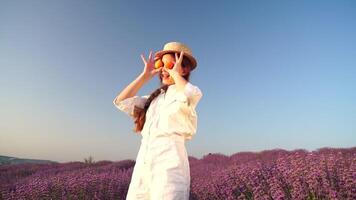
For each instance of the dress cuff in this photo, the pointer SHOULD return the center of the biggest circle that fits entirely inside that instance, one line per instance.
(127, 105)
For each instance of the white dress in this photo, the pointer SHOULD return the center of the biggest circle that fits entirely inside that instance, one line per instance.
(162, 169)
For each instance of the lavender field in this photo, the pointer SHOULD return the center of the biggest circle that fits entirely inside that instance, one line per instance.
(274, 174)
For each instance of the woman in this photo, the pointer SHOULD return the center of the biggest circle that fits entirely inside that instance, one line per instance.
(166, 119)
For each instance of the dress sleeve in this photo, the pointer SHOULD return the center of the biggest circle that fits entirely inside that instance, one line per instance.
(127, 105)
(188, 119)
(190, 94)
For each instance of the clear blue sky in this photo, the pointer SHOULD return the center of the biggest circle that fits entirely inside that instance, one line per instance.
(275, 74)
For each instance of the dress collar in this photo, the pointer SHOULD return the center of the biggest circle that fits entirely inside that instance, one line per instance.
(170, 87)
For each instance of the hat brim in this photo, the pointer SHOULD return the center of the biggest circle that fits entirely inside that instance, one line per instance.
(159, 54)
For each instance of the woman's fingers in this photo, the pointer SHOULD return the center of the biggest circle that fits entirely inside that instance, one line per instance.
(150, 56)
(143, 59)
(149, 61)
(181, 56)
(157, 70)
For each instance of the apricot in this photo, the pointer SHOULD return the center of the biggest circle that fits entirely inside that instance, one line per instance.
(158, 63)
(170, 65)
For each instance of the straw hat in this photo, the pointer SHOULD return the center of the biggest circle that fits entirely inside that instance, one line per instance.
(177, 47)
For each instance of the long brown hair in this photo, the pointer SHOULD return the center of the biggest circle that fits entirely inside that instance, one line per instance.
(139, 114)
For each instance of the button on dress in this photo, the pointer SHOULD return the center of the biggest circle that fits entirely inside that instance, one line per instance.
(162, 169)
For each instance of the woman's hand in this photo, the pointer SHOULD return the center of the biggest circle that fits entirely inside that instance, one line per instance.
(177, 72)
(149, 71)
(132, 89)
(177, 68)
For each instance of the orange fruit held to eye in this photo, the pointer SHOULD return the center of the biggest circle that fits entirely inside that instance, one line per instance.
(170, 65)
(158, 64)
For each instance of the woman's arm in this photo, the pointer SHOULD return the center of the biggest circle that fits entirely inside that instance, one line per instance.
(179, 80)
(147, 74)
(176, 72)
(186, 91)
(132, 88)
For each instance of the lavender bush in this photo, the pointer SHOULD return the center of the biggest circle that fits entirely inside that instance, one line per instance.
(327, 173)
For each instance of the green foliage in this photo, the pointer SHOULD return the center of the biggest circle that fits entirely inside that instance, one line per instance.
(89, 160)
